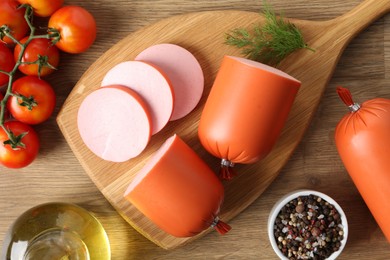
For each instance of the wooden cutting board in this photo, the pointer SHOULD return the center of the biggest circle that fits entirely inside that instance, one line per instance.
(203, 35)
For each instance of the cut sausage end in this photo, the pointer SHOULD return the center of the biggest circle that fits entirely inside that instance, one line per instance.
(265, 67)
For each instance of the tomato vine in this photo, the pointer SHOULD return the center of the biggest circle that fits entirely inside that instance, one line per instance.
(15, 141)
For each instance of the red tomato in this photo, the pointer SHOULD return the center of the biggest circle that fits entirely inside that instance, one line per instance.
(76, 28)
(38, 49)
(40, 102)
(43, 8)
(6, 63)
(25, 151)
(14, 19)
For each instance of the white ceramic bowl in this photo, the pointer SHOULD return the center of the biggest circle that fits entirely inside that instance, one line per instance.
(293, 195)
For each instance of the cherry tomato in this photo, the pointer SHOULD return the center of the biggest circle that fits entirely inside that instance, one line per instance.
(43, 8)
(25, 151)
(14, 19)
(37, 103)
(76, 28)
(38, 49)
(6, 63)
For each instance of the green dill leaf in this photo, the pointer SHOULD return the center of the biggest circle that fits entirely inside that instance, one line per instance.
(239, 37)
(269, 43)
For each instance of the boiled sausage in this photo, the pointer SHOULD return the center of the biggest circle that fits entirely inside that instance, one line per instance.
(245, 111)
(178, 191)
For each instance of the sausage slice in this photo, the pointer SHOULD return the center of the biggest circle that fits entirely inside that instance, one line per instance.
(114, 123)
(184, 71)
(150, 83)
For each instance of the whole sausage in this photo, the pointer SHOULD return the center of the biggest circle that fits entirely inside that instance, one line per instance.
(363, 143)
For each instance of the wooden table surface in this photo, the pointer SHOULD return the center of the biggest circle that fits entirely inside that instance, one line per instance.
(56, 175)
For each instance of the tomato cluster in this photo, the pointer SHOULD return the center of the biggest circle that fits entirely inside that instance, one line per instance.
(29, 99)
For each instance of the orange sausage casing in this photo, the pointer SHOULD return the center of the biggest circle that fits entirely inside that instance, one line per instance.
(363, 143)
(246, 110)
(178, 191)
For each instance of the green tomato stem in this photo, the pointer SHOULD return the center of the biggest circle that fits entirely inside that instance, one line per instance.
(4, 72)
(54, 35)
(28, 102)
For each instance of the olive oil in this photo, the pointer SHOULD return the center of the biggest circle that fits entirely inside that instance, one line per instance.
(56, 231)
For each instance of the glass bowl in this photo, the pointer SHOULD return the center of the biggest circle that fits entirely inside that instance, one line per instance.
(56, 231)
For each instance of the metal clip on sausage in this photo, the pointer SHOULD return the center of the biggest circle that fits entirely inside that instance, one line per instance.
(226, 171)
(221, 227)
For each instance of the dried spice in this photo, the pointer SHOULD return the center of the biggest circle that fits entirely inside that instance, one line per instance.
(308, 227)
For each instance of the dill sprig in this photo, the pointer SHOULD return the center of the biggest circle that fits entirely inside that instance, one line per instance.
(269, 43)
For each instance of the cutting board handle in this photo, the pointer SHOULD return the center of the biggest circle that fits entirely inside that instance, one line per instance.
(354, 21)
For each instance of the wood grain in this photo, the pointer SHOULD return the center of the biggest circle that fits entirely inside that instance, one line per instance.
(57, 175)
(313, 69)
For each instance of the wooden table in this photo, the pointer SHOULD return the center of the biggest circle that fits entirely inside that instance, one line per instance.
(56, 175)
